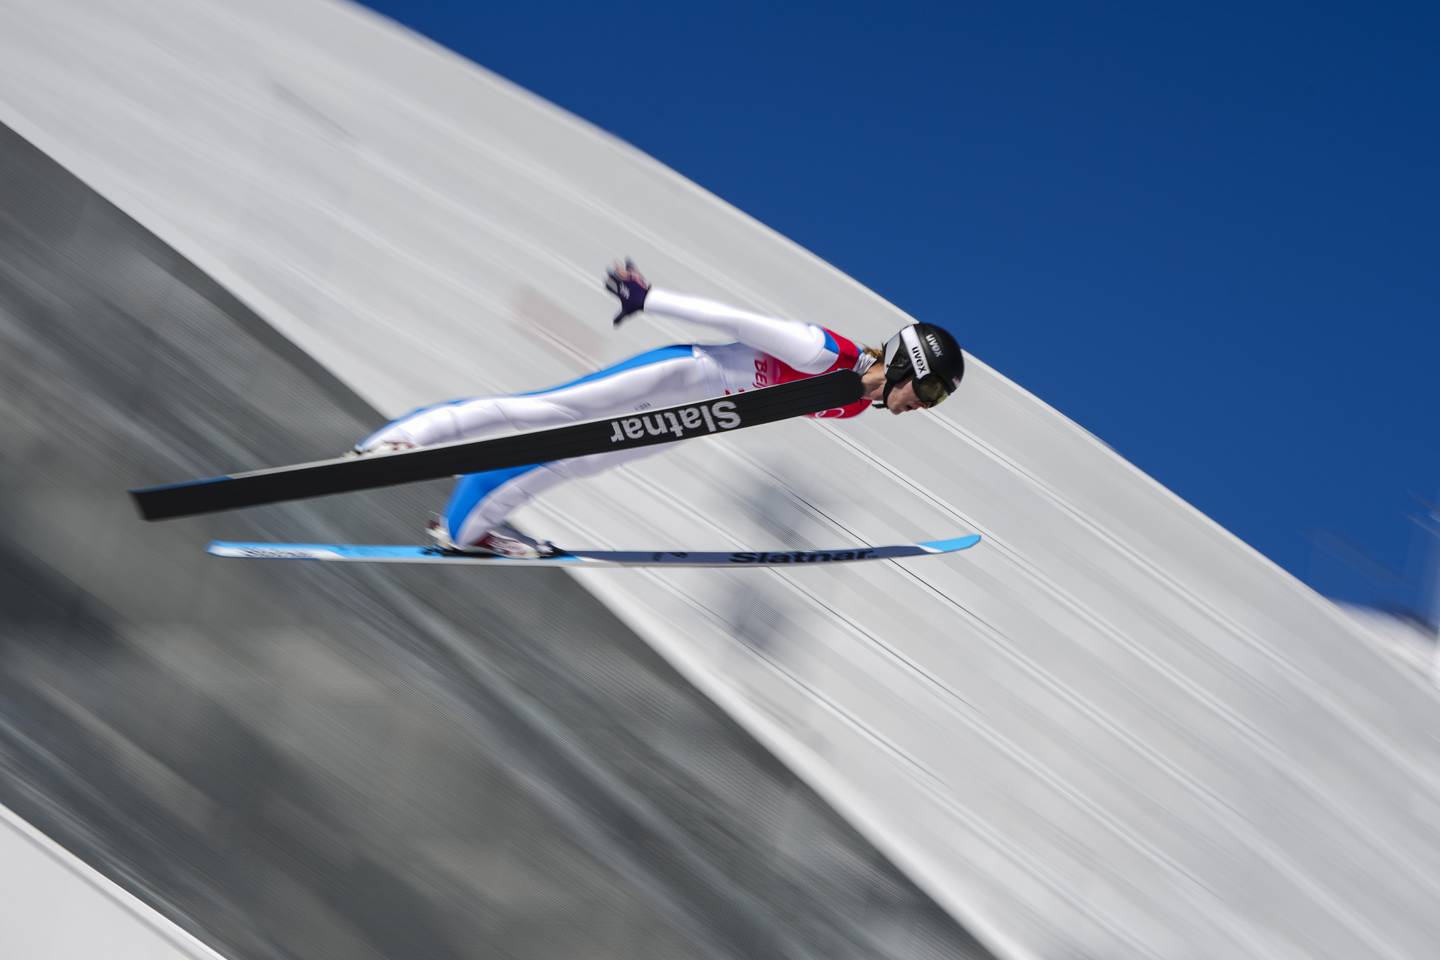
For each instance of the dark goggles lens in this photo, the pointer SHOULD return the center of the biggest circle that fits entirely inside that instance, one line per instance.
(931, 391)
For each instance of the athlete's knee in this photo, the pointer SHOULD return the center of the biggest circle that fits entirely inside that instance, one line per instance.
(535, 413)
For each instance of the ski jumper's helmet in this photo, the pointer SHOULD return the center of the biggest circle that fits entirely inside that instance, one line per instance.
(930, 355)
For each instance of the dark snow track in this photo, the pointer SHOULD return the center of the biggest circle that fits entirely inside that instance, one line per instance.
(319, 762)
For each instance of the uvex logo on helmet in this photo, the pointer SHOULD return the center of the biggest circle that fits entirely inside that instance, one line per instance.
(918, 361)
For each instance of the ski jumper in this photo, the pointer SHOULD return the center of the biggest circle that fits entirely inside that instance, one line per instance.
(767, 351)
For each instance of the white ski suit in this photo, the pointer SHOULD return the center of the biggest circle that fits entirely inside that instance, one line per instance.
(767, 351)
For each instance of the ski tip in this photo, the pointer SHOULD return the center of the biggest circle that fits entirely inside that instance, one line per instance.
(953, 544)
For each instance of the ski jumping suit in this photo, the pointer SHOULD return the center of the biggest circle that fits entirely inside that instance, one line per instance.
(768, 351)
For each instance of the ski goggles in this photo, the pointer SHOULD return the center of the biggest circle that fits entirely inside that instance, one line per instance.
(931, 390)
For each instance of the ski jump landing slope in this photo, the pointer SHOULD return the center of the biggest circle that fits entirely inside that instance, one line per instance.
(85, 914)
(1110, 730)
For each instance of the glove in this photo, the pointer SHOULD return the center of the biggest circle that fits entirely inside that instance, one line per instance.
(629, 287)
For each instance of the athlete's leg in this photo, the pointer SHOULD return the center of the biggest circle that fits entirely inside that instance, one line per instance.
(481, 501)
(660, 377)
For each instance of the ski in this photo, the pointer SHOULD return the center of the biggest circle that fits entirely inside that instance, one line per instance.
(342, 475)
(732, 559)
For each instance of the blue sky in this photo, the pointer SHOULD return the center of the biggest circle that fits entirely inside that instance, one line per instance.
(1208, 233)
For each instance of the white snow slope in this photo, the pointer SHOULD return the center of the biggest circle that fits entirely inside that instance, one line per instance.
(1111, 729)
(54, 907)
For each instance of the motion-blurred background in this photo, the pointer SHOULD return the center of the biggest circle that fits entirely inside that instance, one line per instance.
(234, 237)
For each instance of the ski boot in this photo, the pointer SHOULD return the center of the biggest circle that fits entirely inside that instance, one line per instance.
(501, 541)
(381, 449)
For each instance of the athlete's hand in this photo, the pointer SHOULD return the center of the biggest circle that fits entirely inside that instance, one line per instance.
(629, 287)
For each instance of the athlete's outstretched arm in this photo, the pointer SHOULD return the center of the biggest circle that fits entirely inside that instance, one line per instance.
(803, 346)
